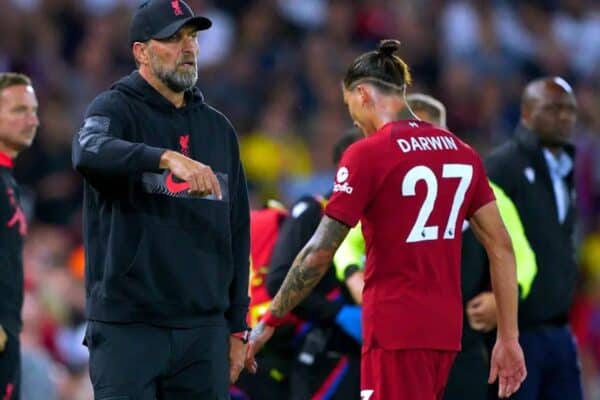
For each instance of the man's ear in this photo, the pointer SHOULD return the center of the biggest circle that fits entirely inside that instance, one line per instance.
(140, 52)
(365, 95)
(526, 111)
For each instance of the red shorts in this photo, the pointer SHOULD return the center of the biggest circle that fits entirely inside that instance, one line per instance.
(404, 374)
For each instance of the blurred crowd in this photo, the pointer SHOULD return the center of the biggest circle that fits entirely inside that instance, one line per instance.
(274, 68)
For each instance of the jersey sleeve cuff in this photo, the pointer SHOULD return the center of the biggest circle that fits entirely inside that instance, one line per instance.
(341, 217)
(481, 205)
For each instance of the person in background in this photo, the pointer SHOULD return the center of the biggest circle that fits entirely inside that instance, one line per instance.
(535, 171)
(18, 127)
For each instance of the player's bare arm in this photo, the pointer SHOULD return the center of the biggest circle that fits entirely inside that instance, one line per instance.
(308, 268)
(310, 265)
(507, 362)
(491, 233)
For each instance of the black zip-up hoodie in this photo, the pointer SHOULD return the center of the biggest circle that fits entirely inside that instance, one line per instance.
(155, 254)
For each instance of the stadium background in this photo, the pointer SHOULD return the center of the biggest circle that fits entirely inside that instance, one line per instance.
(274, 67)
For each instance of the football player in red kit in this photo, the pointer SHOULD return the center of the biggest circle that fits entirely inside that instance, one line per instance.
(412, 185)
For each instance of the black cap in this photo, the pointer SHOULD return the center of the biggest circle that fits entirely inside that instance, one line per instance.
(160, 19)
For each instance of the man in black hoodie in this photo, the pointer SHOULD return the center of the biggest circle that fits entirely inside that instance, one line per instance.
(166, 224)
(18, 126)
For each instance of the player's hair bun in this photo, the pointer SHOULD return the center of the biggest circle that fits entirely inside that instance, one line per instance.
(388, 47)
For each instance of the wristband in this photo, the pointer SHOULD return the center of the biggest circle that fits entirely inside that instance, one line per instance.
(350, 270)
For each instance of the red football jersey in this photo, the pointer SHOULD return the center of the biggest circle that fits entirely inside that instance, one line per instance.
(412, 185)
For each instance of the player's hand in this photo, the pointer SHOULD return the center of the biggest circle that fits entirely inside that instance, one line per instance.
(3, 339)
(508, 366)
(355, 284)
(237, 357)
(258, 337)
(481, 312)
(200, 178)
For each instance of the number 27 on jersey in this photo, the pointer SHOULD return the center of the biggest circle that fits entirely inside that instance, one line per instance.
(420, 231)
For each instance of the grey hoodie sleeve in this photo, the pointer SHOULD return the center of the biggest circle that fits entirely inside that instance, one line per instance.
(240, 229)
(98, 147)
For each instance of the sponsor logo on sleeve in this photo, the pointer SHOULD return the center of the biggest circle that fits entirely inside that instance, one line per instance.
(341, 184)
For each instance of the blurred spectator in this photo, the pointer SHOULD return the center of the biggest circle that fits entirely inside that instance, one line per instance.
(307, 14)
(585, 318)
(39, 372)
(576, 26)
(272, 152)
(217, 44)
(587, 169)
(18, 127)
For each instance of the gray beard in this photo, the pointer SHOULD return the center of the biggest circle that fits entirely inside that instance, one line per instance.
(177, 81)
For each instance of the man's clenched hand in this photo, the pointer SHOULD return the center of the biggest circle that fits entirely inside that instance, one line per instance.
(200, 177)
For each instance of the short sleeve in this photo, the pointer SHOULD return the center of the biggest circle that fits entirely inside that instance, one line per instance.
(482, 192)
(353, 185)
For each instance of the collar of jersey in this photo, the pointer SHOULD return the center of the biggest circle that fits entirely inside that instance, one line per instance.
(404, 123)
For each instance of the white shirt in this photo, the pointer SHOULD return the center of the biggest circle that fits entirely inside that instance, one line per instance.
(559, 166)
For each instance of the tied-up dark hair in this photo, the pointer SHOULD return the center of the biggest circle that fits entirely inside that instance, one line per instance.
(382, 67)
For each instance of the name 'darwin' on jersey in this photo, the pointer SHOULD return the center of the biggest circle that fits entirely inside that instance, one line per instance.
(426, 143)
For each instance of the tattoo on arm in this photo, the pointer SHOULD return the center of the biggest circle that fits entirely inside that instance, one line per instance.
(310, 265)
